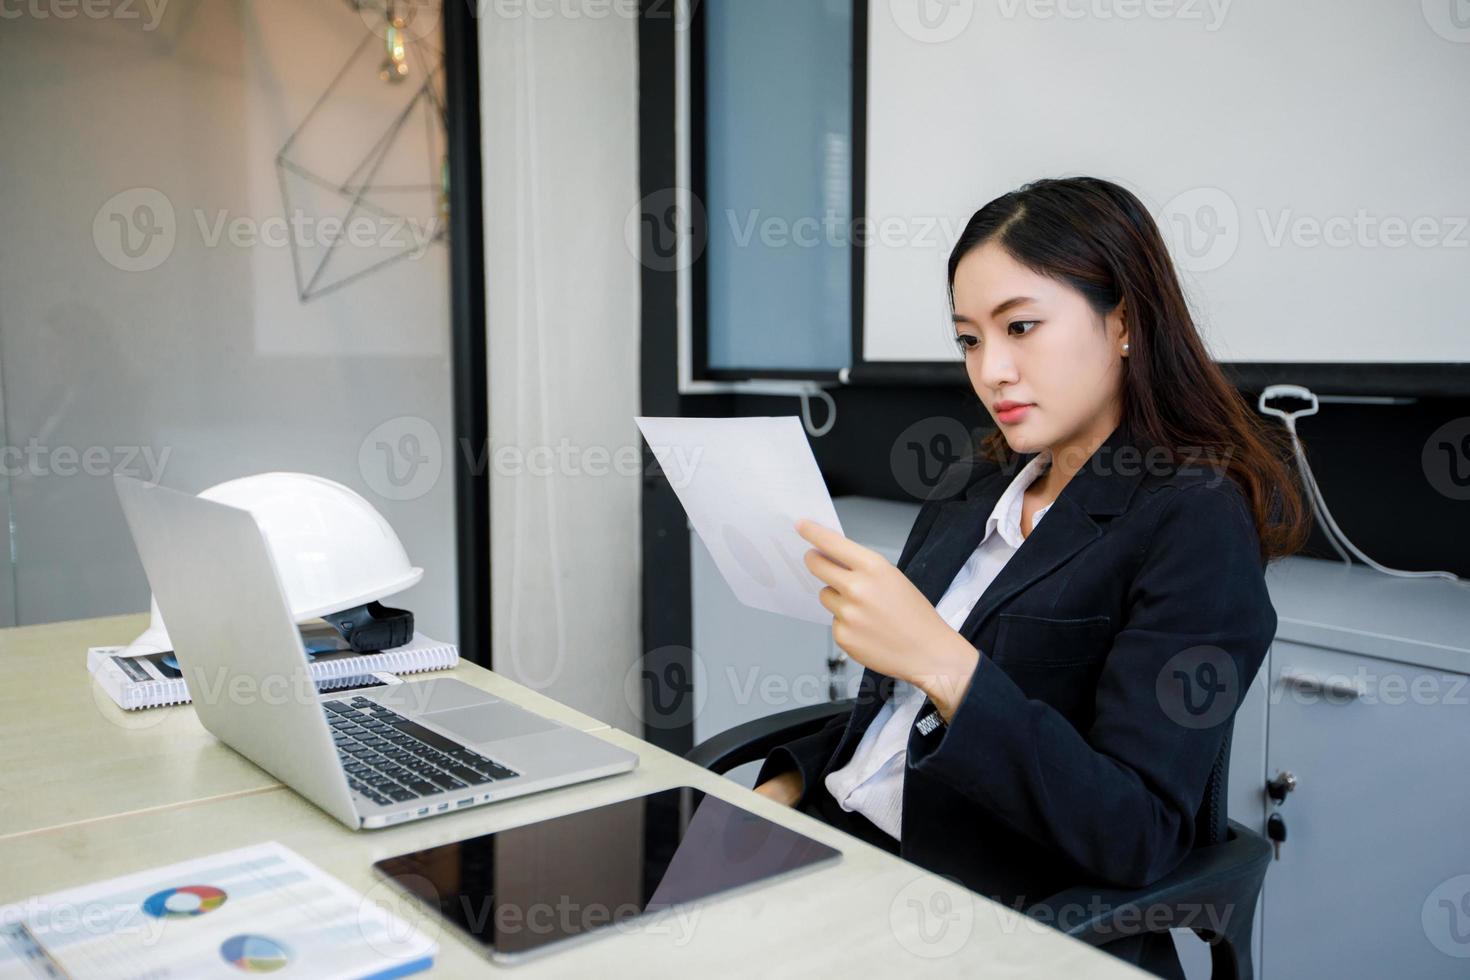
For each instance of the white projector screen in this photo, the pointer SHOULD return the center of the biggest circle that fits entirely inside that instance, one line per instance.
(1307, 160)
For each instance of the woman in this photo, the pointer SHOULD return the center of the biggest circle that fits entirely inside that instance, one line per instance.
(1053, 664)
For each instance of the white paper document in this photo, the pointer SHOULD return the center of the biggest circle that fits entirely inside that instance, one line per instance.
(257, 909)
(744, 483)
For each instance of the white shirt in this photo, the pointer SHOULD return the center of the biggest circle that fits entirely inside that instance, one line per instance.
(872, 781)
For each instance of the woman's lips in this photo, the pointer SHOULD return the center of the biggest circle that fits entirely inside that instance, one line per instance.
(1013, 415)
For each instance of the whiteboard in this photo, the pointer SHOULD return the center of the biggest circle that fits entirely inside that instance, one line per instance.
(1308, 161)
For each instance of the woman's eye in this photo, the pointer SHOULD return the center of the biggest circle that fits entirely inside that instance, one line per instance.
(967, 341)
(1030, 324)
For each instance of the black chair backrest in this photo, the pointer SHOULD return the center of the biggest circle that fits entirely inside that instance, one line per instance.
(1210, 822)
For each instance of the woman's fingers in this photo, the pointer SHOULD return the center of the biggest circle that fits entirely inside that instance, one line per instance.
(828, 570)
(834, 545)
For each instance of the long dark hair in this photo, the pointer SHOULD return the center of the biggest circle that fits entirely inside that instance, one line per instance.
(1099, 238)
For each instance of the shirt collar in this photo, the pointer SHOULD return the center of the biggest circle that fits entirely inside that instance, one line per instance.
(1006, 516)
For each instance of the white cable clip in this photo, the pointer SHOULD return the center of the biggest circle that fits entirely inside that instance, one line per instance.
(814, 430)
(1288, 391)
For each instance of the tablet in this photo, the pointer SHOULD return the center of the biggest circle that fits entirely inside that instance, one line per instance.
(638, 865)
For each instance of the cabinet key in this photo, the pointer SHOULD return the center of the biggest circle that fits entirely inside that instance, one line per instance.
(1276, 830)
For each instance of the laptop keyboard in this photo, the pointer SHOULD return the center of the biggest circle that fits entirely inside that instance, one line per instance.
(390, 759)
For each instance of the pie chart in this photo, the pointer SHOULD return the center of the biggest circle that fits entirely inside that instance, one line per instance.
(254, 954)
(184, 901)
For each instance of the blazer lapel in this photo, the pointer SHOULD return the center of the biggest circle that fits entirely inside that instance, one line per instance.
(953, 537)
(1102, 488)
(1065, 530)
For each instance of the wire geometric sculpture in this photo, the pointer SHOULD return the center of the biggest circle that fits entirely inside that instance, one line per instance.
(332, 160)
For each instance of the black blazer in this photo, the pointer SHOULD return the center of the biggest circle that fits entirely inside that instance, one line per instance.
(1116, 644)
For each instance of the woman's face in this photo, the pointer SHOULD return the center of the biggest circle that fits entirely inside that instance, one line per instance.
(1035, 340)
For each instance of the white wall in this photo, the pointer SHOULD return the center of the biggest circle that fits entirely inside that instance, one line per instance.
(560, 145)
(207, 360)
(1304, 160)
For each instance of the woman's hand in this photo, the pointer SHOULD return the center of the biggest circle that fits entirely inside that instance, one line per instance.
(785, 789)
(884, 622)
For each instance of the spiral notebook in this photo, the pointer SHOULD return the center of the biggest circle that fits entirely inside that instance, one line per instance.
(153, 680)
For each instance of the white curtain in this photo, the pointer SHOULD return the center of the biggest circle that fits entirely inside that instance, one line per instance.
(560, 153)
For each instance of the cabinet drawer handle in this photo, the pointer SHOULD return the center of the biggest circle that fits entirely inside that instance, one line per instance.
(1343, 687)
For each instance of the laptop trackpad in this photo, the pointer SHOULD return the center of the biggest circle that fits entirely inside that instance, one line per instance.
(489, 723)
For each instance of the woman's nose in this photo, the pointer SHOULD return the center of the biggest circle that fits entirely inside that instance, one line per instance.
(995, 370)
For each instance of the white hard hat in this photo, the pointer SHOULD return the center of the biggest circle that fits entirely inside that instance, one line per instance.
(332, 548)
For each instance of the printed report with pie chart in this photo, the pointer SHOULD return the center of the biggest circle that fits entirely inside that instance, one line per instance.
(256, 910)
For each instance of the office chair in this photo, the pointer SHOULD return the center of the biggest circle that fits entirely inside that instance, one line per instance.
(1224, 871)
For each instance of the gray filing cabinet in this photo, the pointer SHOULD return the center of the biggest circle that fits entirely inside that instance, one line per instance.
(1368, 706)
(1364, 698)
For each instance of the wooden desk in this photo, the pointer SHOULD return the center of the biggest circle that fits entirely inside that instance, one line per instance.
(185, 797)
(72, 755)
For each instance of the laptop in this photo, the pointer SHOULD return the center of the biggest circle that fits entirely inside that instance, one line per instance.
(370, 758)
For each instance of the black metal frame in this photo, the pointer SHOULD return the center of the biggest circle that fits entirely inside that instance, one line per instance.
(699, 187)
(469, 365)
(1427, 380)
(664, 596)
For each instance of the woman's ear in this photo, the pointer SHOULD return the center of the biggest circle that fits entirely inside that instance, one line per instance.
(1118, 326)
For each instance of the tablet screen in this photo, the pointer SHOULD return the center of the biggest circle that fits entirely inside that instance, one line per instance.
(527, 889)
